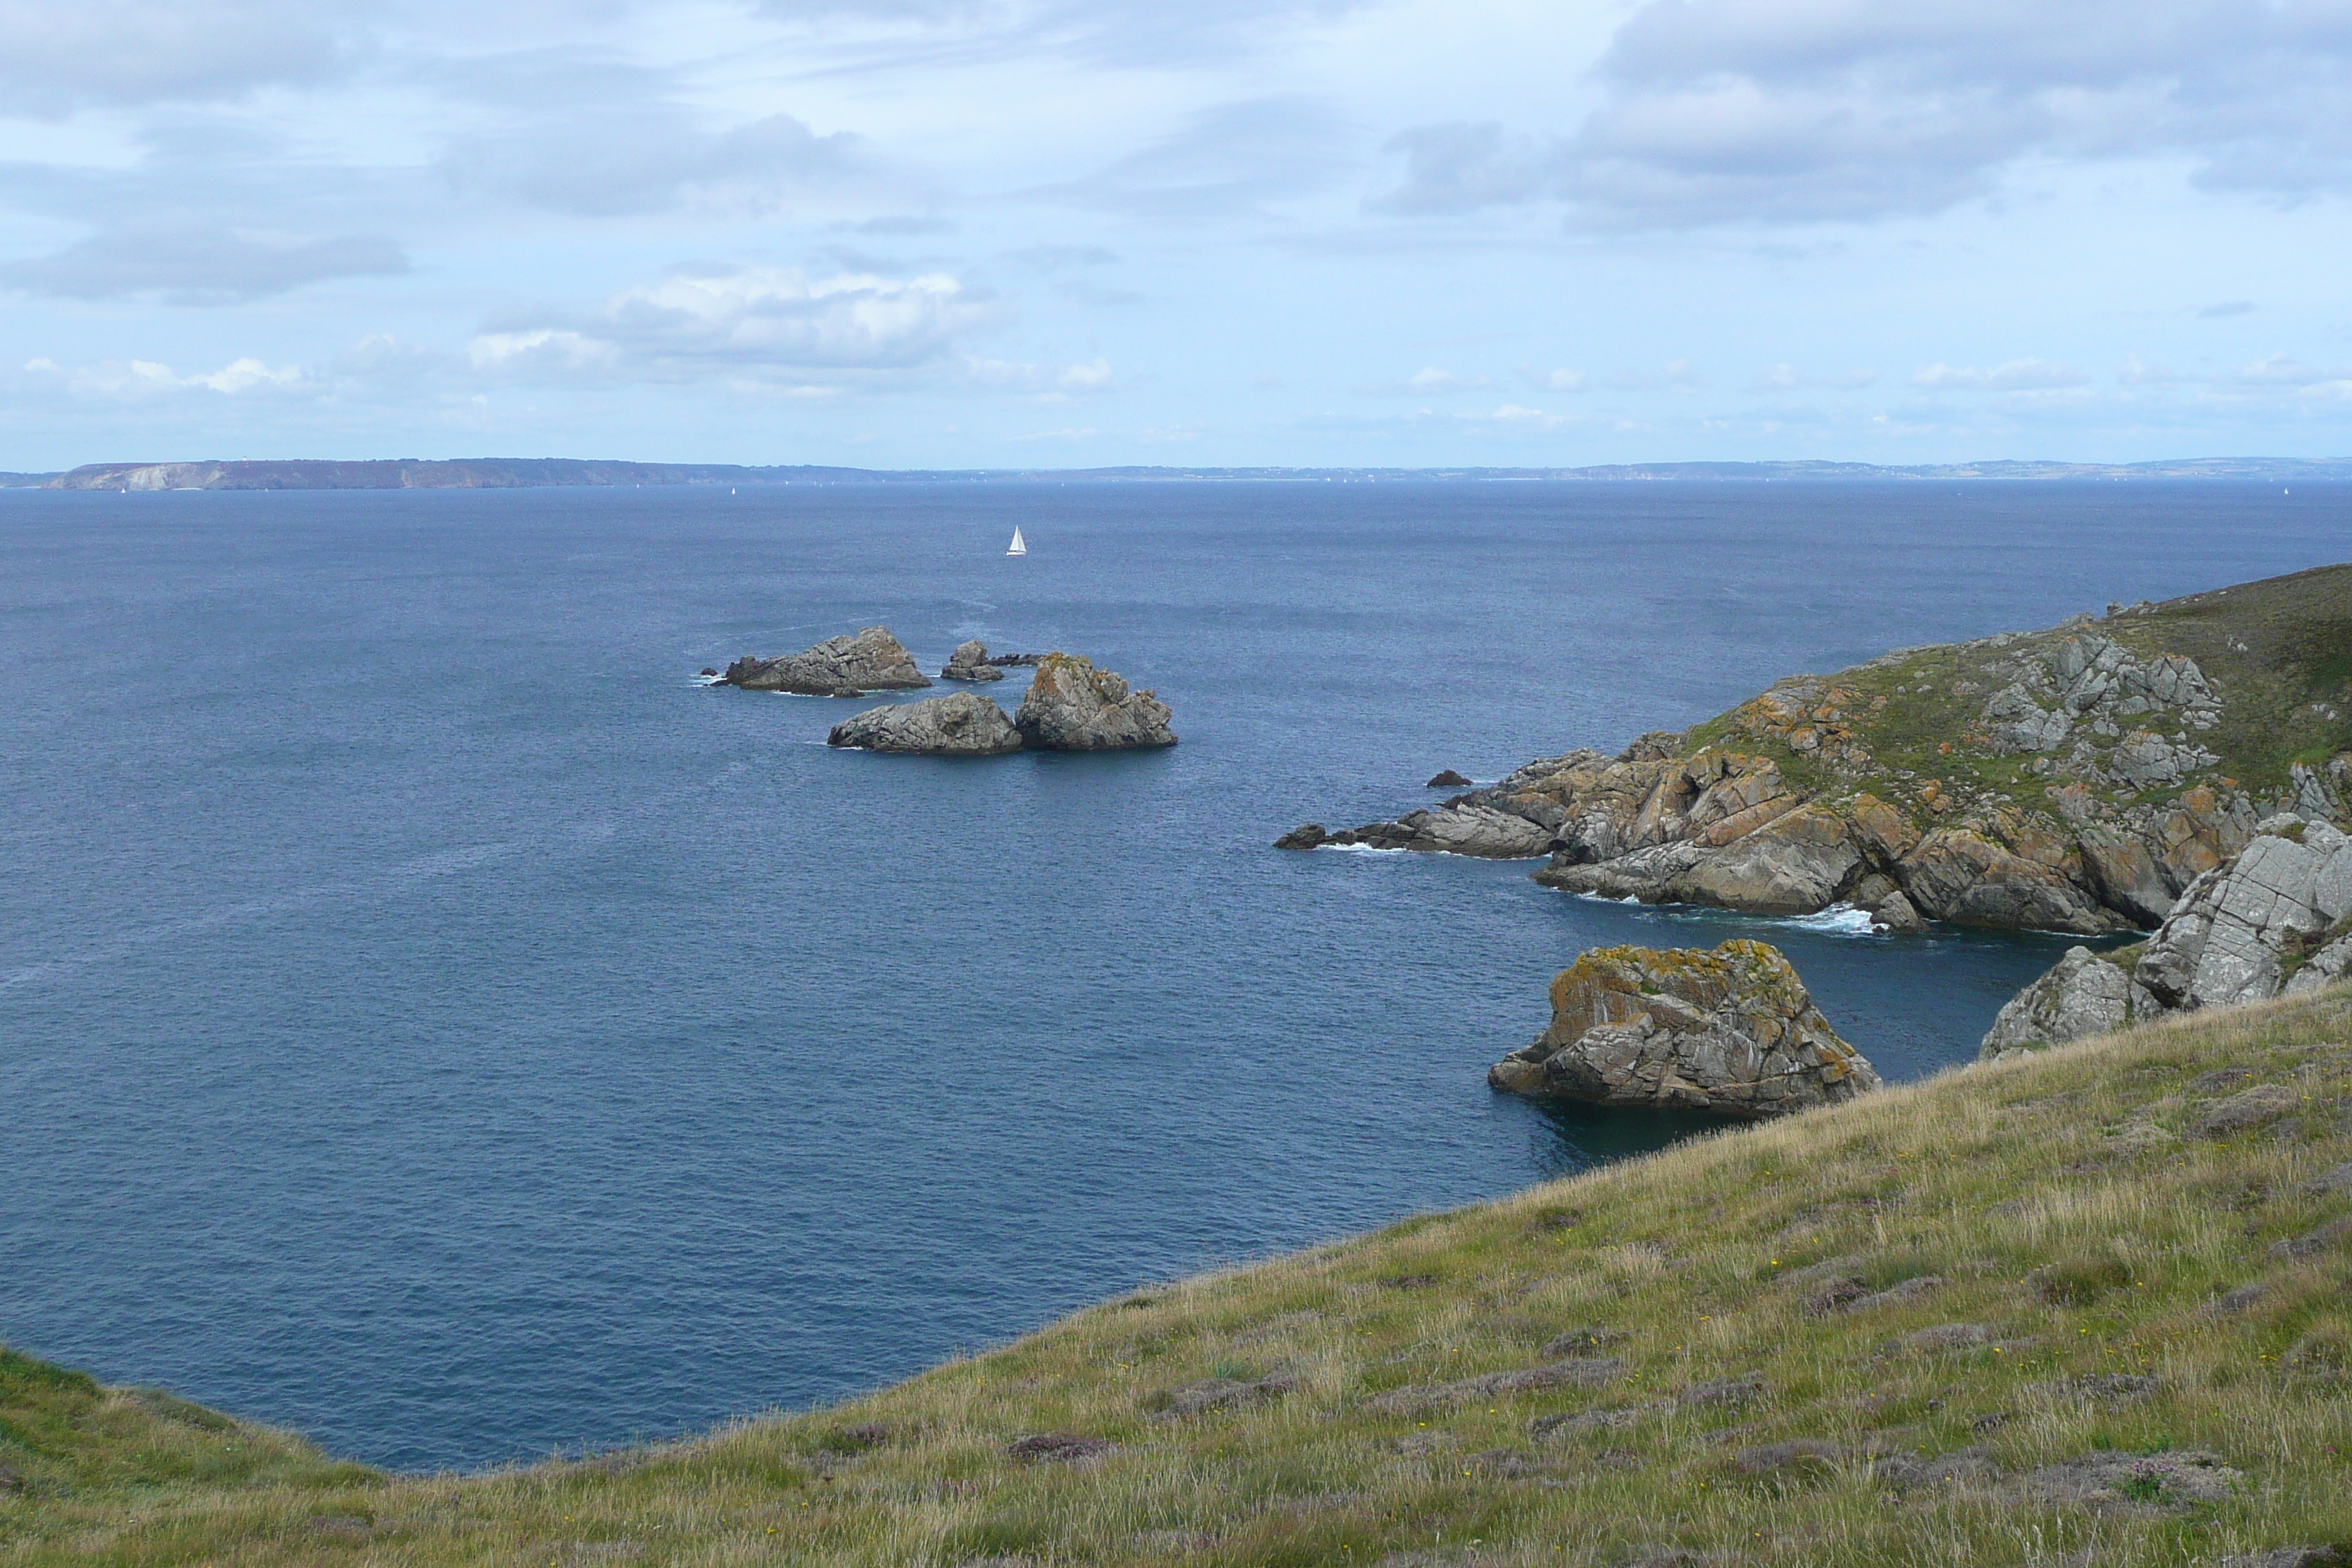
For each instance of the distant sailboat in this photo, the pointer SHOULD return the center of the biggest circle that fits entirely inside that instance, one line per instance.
(1017, 547)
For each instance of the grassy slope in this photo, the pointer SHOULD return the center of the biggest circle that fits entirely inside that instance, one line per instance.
(2278, 652)
(2063, 1198)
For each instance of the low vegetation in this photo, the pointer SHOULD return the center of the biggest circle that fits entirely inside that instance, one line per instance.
(2090, 1307)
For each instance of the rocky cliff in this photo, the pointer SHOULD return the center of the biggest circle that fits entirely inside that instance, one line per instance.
(1733, 1032)
(1071, 706)
(873, 660)
(2274, 919)
(2078, 779)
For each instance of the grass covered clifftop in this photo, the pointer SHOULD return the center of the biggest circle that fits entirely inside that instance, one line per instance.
(2092, 1307)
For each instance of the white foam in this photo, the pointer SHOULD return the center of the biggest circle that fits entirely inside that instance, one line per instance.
(1838, 920)
(1362, 849)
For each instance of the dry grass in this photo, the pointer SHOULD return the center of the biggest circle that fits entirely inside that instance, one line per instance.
(2080, 1228)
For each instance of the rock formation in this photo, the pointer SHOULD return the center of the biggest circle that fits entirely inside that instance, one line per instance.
(960, 725)
(1732, 1031)
(2078, 779)
(2274, 919)
(1449, 779)
(873, 660)
(971, 662)
(1071, 706)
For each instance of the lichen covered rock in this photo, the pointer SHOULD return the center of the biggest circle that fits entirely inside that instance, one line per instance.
(1732, 1031)
(960, 725)
(1071, 706)
(873, 660)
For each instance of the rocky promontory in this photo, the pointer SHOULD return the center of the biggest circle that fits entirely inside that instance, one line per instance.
(2276, 919)
(959, 725)
(1071, 706)
(971, 662)
(873, 660)
(2078, 779)
(1732, 1032)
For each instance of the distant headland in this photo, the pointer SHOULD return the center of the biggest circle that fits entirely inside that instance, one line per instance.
(520, 473)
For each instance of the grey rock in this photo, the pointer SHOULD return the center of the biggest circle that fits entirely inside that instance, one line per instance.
(2108, 1481)
(1912, 1472)
(970, 662)
(1224, 1394)
(1732, 1031)
(1058, 1448)
(1071, 706)
(2082, 994)
(960, 725)
(1895, 913)
(2323, 969)
(2224, 940)
(1578, 1372)
(873, 660)
(2312, 1556)
(1894, 1295)
(2244, 1110)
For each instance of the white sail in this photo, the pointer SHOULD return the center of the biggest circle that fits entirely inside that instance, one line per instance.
(1017, 547)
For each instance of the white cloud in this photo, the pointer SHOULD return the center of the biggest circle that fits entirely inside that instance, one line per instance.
(1780, 112)
(747, 320)
(141, 378)
(2016, 375)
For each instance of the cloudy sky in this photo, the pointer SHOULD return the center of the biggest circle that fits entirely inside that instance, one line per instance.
(1015, 233)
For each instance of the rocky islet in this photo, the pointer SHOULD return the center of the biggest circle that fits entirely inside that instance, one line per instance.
(1732, 1032)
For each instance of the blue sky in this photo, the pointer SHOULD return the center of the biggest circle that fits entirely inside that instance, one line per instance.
(1016, 233)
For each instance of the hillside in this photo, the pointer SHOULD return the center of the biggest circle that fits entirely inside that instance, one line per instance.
(2074, 779)
(2094, 1306)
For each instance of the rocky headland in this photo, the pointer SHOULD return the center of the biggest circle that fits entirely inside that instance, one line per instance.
(2276, 919)
(1732, 1032)
(1071, 706)
(2078, 779)
(872, 660)
(959, 725)
(971, 662)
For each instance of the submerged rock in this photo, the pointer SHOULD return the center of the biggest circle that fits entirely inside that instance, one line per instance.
(1731, 1031)
(960, 725)
(1071, 706)
(873, 660)
(1449, 779)
(971, 662)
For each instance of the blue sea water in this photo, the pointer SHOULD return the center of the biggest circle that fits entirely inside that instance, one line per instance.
(431, 1020)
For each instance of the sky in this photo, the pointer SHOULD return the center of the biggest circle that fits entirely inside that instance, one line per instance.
(1067, 233)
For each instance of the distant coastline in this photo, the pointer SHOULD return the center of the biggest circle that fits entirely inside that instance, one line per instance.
(523, 473)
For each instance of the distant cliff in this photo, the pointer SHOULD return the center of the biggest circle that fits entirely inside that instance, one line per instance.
(512, 473)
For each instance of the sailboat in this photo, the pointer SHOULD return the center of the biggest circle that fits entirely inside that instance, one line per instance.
(1017, 547)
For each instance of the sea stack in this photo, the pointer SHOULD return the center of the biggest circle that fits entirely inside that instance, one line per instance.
(970, 662)
(1071, 706)
(960, 725)
(873, 660)
(1732, 1032)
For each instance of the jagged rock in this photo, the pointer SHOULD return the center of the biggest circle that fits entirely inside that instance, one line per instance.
(873, 660)
(1458, 827)
(1732, 1031)
(1449, 779)
(2084, 995)
(1071, 706)
(1015, 660)
(2275, 917)
(971, 662)
(960, 725)
(2225, 940)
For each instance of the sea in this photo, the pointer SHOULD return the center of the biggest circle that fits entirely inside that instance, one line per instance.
(433, 1021)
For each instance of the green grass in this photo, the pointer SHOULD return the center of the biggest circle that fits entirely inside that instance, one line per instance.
(2081, 1227)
